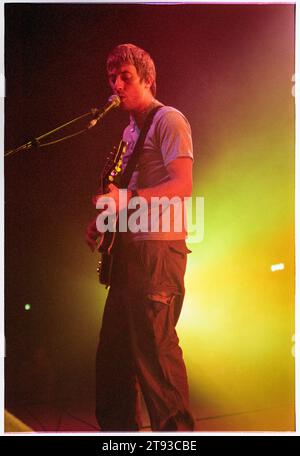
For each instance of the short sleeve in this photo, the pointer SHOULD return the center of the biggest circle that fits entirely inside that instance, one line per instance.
(173, 135)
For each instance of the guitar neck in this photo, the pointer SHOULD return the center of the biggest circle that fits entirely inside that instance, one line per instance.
(112, 168)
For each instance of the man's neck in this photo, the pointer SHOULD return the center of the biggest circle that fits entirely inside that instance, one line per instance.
(139, 116)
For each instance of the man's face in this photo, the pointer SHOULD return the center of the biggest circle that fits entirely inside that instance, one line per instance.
(133, 92)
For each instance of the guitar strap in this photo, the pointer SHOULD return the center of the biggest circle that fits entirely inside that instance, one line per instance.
(132, 162)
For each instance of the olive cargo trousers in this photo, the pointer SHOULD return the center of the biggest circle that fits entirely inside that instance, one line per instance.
(138, 347)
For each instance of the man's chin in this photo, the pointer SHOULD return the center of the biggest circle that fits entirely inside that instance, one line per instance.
(124, 106)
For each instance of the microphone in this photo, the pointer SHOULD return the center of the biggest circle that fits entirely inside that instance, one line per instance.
(114, 101)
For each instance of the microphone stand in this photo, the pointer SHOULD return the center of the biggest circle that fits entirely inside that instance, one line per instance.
(96, 113)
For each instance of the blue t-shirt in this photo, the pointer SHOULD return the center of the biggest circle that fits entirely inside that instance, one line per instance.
(169, 137)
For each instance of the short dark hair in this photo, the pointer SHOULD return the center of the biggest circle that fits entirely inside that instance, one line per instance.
(129, 53)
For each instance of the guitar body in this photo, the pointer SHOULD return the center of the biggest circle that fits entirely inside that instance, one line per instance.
(106, 259)
(104, 268)
(110, 173)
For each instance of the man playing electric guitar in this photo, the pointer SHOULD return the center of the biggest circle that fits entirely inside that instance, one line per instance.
(138, 348)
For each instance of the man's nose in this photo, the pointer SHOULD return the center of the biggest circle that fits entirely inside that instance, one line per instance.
(119, 84)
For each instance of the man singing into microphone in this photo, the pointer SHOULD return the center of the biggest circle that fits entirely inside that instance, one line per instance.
(138, 348)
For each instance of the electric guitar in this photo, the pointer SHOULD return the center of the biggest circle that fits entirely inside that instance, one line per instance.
(110, 174)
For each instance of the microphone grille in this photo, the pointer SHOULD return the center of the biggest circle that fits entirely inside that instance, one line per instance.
(115, 99)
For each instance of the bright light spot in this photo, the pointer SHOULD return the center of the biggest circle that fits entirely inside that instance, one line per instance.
(27, 306)
(277, 267)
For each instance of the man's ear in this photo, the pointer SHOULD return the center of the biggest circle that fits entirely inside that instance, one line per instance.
(148, 82)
